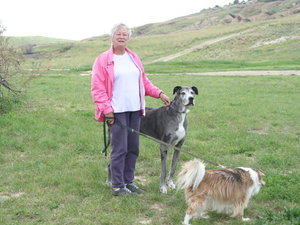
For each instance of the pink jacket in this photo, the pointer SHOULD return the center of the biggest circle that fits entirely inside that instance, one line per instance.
(103, 79)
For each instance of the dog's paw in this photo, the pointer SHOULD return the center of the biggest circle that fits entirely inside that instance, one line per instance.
(245, 219)
(171, 185)
(203, 216)
(108, 183)
(183, 223)
(163, 190)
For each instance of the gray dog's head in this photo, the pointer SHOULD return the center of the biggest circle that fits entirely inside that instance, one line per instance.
(185, 94)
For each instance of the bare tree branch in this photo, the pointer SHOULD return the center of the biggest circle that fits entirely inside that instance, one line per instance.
(10, 60)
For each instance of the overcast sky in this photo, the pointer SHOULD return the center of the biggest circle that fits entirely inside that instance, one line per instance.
(79, 19)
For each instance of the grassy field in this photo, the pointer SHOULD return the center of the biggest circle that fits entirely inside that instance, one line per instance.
(53, 172)
(52, 169)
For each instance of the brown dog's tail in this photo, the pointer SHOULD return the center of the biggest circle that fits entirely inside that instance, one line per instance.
(191, 175)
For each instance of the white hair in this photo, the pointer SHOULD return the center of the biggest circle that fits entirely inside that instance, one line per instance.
(118, 26)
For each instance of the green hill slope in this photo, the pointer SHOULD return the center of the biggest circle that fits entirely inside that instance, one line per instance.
(249, 11)
(35, 40)
(258, 42)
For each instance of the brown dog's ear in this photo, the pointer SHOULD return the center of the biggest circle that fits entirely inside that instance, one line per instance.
(260, 177)
(261, 173)
(177, 88)
(195, 89)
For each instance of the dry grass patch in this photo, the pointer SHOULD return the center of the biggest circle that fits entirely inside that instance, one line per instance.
(258, 131)
(145, 221)
(141, 179)
(6, 196)
(159, 207)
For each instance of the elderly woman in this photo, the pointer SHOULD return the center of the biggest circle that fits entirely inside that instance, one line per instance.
(119, 86)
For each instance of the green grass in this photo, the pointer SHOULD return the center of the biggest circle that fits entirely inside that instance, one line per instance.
(53, 172)
(7, 102)
(219, 65)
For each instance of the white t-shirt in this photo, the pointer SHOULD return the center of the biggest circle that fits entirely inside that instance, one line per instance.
(126, 94)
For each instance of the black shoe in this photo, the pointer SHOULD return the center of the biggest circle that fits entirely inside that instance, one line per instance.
(121, 192)
(134, 189)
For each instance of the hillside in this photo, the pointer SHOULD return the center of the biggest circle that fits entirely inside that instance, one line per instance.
(253, 42)
(35, 40)
(250, 11)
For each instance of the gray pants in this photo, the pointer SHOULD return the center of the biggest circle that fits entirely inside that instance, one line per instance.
(125, 148)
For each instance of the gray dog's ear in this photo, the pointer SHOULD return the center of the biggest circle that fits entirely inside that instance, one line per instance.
(195, 89)
(177, 88)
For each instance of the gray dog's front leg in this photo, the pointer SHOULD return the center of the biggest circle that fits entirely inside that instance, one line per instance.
(163, 175)
(173, 169)
(175, 158)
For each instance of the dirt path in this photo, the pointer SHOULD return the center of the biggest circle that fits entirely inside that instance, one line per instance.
(229, 73)
(241, 73)
(196, 47)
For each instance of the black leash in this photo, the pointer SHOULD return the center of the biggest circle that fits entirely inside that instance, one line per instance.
(160, 142)
(106, 143)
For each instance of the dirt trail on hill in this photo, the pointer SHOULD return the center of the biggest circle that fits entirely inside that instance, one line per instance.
(240, 73)
(229, 73)
(222, 73)
(196, 47)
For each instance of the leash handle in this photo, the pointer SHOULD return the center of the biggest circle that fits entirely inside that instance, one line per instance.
(109, 117)
(106, 143)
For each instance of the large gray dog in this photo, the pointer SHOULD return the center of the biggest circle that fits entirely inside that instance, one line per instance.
(169, 124)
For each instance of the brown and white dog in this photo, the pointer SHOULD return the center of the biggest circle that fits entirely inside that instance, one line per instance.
(221, 190)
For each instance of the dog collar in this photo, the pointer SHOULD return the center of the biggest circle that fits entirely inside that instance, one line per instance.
(171, 107)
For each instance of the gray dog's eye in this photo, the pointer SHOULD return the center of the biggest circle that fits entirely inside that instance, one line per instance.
(182, 93)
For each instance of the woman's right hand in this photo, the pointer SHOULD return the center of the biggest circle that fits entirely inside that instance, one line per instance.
(164, 98)
(109, 117)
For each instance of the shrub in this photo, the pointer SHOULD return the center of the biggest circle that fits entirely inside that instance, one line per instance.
(10, 59)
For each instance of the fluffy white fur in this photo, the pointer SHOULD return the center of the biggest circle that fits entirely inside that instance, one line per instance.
(192, 177)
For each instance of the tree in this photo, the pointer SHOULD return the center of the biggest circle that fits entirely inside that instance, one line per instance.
(236, 2)
(10, 59)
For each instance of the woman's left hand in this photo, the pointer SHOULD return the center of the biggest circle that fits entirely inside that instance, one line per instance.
(165, 99)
